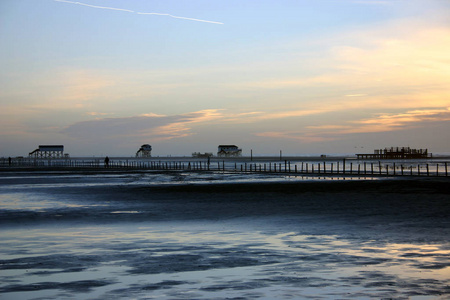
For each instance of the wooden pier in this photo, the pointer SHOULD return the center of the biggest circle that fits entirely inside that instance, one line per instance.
(396, 153)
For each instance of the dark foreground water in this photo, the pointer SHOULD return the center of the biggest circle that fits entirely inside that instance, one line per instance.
(177, 235)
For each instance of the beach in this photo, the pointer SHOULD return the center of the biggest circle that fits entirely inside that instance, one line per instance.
(218, 235)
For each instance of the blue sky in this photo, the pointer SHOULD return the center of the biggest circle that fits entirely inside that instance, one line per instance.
(103, 77)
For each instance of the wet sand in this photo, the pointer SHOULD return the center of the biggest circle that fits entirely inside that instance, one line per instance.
(346, 239)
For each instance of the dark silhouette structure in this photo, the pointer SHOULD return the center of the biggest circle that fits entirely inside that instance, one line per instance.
(395, 153)
(229, 151)
(48, 151)
(144, 151)
(202, 155)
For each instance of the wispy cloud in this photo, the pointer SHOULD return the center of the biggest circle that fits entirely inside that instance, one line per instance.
(378, 123)
(388, 122)
(137, 12)
(94, 113)
(295, 135)
(401, 65)
(399, 121)
(156, 127)
(356, 95)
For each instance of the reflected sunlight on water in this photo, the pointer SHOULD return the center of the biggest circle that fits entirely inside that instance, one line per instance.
(232, 258)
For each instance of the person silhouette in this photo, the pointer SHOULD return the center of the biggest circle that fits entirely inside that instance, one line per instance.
(106, 162)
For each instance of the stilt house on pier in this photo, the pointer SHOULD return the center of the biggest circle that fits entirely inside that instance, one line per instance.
(395, 153)
(229, 151)
(144, 151)
(48, 151)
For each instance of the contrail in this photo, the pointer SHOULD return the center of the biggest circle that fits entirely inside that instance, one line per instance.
(95, 6)
(176, 17)
(139, 13)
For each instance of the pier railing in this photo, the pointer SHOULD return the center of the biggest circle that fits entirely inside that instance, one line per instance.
(343, 167)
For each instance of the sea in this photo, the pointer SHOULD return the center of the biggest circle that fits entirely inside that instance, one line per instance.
(116, 233)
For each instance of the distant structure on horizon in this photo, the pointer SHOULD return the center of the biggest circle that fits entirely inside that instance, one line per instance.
(202, 155)
(144, 151)
(229, 151)
(48, 151)
(395, 153)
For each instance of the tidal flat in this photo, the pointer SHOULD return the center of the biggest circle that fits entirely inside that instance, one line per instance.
(210, 235)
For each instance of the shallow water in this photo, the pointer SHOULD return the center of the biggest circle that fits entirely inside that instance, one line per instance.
(226, 260)
(121, 236)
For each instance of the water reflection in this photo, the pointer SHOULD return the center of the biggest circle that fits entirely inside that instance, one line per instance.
(213, 260)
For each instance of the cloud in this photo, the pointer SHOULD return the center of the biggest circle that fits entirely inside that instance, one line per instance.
(387, 122)
(93, 113)
(399, 121)
(151, 126)
(356, 95)
(152, 115)
(139, 13)
(166, 127)
(295, 135)
(402, 64)
(382, 122)
(296, 113)
(69, 88)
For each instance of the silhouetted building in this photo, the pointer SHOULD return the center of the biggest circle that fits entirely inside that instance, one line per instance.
(48, 151)
(229, 151)
(144, 151)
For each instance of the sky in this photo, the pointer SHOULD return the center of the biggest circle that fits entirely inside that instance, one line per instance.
(103, 77)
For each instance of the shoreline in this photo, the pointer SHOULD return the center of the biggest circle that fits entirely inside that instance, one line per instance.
(132, 198)
(389, 185)
(265, 182)
(97, 170)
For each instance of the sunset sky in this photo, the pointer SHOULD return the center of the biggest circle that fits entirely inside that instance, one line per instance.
(103, 77)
